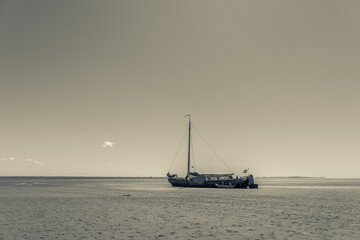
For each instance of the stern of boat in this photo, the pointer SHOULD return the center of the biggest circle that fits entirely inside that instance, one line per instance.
(251, 182)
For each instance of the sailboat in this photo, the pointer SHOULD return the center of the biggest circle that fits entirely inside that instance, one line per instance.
(194, 179)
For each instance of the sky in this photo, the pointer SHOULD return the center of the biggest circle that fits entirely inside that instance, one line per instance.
(100, 88)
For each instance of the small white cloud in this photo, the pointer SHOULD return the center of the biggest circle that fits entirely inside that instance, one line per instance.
(108, 144)
(29, 160)
(11, 158)
(38, 162)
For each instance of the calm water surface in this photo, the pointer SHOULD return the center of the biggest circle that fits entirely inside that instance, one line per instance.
(282, 208)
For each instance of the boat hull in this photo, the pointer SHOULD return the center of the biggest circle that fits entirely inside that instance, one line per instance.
(238, 183)
(225, 186)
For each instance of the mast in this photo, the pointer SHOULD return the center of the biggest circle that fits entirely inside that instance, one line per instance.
(188, 169)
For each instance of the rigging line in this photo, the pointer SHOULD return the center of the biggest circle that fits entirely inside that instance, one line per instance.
(182, 141)
(211, 148)
(192, 150)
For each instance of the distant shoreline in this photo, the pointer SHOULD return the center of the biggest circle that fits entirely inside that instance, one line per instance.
(76, 177)
(100, 177)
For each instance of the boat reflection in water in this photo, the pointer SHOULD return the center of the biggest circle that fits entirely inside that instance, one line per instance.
(194, 179)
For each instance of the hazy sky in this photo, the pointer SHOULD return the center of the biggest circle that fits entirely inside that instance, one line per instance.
(100, 88)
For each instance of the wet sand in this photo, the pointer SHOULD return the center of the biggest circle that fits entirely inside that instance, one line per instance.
(37, 208)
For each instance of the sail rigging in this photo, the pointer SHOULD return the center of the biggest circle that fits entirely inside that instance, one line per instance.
(211, 148)
(189, 146)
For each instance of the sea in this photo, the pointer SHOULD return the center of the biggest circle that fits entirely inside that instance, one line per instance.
(144, 208)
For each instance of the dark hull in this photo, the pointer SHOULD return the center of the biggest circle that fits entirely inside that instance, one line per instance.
(239, 183)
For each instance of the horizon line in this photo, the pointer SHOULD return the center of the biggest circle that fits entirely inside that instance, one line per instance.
(156, 177)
